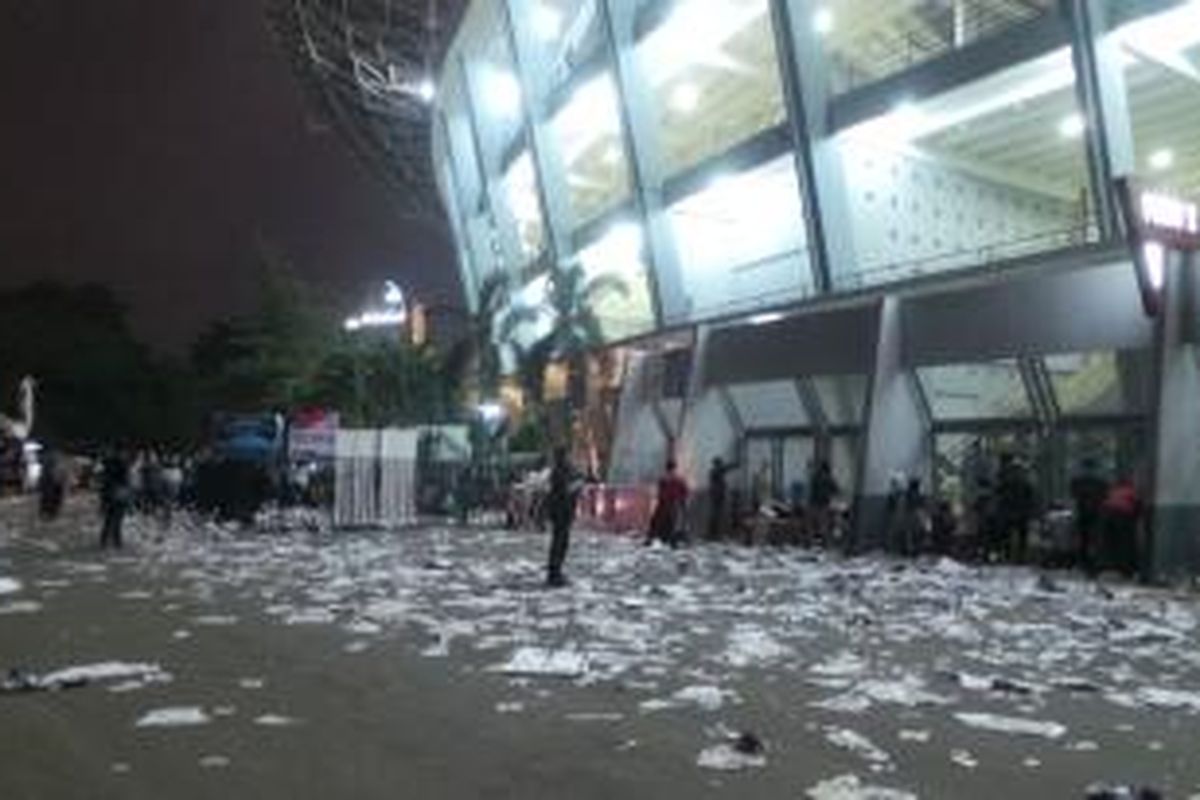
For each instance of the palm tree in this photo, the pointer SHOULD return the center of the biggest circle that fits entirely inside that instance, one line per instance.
(575, 329)
(475, 358)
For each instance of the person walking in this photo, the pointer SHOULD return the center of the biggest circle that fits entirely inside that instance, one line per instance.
(51, 486)
(115, 497)
(560, 509)
(1088, 490)
(666, 523)
(718, 490)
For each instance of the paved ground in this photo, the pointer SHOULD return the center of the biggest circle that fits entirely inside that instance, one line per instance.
(330, 665)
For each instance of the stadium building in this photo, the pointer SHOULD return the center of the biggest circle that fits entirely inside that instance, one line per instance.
(903, 236)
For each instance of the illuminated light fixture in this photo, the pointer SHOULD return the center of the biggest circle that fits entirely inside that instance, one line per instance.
(1155, 259)
(490, 411)
(502, 93)
(392, 295)
(426, 90)
(823, 20)
(1072, 126)
(352, 324)
(766, 318)
(685, 98)
(1161, 159)
(546, 22)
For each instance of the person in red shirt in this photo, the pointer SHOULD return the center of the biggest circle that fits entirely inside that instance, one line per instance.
(1122, 514)
(666, 523)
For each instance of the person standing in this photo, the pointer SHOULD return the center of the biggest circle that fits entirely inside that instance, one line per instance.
(1088, 490)
(51, 486)
(718, 490)
(560, 509)
(1122, 513)
(666, 523)
(115, 496)
(822, 489)
(1015, 502)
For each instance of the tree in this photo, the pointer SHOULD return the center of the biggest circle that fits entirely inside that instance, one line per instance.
(96, 384)
(575, 330)
(268, 360)
(475, 359)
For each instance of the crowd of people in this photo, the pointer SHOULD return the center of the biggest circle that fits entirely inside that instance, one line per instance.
(1004, 520)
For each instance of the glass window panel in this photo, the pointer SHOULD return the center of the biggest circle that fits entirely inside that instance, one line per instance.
(986, 172)
(741, 240)
(1161, 54)
(1087, 383)
(798, 455)
(587, 132)
(619, 254)
(711, 68)
(843, 398)
(498, 96)
(521, 194)
(991, 390)
(567, 34)
(868, 40)
(771, 404)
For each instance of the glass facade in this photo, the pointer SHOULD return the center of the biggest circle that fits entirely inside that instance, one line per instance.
(713, 74)
(956, 139)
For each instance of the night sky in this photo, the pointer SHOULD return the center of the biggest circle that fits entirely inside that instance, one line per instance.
(145, 143)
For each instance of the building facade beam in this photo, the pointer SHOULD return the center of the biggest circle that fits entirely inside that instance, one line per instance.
(551, 178)
(805, 78)
(643, 154)
(1103, 102)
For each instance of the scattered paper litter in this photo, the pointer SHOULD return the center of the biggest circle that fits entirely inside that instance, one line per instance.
(850, 787)
(858, 744)
(1014, 725)
(275, 720)
(726, 757)
(175, 716)
(214, 762)
(20, 607)
(543, 662)
(103, 671)
(9, 585)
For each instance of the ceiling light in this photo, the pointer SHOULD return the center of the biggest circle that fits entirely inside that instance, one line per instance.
(823, 20)
(1072, 126)
(502, 93)
(685, 98)
(1161, 159)
(426, 90)
(546, 22)
(766, 318)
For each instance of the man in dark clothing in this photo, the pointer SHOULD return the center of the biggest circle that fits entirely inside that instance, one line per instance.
(114, 498)
(1088, 490)
(560, 509)
(666, 521)
(822, 489)
(51, 487)
(717, 493)
(1015, 504)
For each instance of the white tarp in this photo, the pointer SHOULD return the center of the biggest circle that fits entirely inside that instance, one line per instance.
(376, 474)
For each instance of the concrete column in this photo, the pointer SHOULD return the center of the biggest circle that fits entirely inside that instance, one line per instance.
(1100, 89)
(1173, 547)
(805, 74)
(896, 435)
(646, 171)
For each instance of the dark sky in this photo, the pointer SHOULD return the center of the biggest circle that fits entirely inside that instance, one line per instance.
(145, 143)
